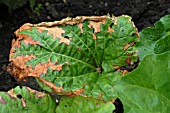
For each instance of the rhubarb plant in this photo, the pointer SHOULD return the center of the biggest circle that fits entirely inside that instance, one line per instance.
(78, 56)
(146, 89)
(156, 39)
(84, 59)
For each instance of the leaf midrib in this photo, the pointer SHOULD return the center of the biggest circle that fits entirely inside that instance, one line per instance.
(86, 47)
(48, 53)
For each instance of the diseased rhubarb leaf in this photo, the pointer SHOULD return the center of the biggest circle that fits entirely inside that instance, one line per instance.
(80, 104)
(147, 89)
(155, 40)
(26, 100)
(75, 56)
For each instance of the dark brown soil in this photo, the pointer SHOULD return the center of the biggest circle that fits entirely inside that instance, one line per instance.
(143, 12)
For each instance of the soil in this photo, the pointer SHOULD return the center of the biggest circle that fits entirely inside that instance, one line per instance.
(143, 12)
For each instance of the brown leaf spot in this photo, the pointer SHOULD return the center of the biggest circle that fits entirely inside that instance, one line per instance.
(2, 101)
(118, 70)
(113, 101)
(137, 34)
(18, 67)
(21, 71)
(12, 94)
(58, 90)
(39, 94)
(110, 30)
(70, 38)
(115, 19)
(26, 26)
(42, 69)
(132, 43)
(79, 91)
(27, 39)
(21, 60)
(95, 25)
(94, 37)
(58, 67)
(128, 60)
(23, 103)
(124, 72)
(116, 67)
(38, 70)
(71, 21)
(100, 95)
(14, 43)
(81, 27)
(56, 32)
(126, 46)
(51, 85)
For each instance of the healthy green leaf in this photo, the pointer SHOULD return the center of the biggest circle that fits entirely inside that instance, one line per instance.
(155, 40)
(163, 45)
(26, 100)
(147, 89)
(76, 59)
(83, 105)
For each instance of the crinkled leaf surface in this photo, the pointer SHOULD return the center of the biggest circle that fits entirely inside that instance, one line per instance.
(147, 89)
(26, 100)
(155, 40)
(83, 105)
(75, 56)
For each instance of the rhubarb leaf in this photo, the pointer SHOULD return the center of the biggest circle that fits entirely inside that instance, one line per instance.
(147, 89)
(26, 100)
(80, 104)
(75, 56)
(155, 40)
(163, 45)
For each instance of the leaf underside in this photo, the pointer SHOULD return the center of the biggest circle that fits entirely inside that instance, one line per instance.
(146, 89)
(26, 100)
(75, 58)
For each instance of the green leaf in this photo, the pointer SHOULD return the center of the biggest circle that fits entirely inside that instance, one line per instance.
(152, 38)
(80, 104)
(77, 60)
(163, 45)
(25, 100)
(147, 89)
